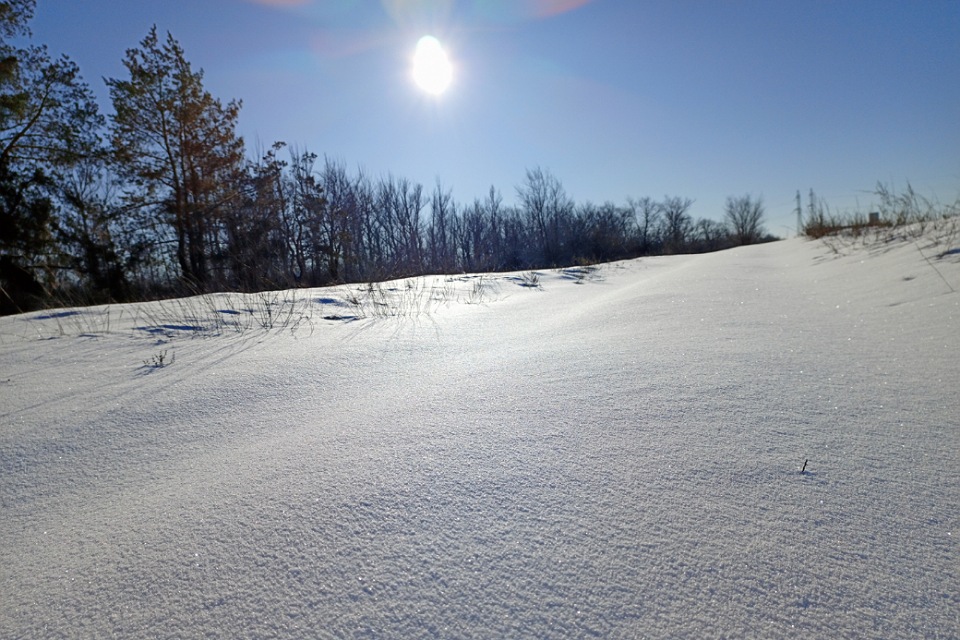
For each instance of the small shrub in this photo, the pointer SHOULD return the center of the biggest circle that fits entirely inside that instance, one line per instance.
(477, 291)
(530, 279)
(159, 360)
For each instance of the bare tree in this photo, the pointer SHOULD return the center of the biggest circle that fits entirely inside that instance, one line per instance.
(646, 212)
(346, 216)
(399, 205)
(676, 221)
(602, 232)
(710, 235)
(548, 210)
(744, 214)
(440, 231)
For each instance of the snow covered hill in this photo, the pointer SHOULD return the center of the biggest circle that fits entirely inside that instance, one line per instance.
(611, 452)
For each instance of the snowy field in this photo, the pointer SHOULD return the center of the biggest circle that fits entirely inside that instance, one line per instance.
(610, 453)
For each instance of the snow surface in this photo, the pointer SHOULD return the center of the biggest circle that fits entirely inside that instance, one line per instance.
(613, 453)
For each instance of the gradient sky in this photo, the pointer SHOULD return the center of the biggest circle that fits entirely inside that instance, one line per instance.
(617, 98)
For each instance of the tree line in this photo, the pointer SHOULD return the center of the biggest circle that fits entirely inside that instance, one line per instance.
(163, 198)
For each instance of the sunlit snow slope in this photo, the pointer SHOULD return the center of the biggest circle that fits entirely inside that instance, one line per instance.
(614, 454)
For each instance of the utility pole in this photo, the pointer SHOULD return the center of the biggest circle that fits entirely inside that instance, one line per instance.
(799, 211)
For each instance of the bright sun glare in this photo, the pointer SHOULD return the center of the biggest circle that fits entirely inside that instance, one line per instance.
(432, 70)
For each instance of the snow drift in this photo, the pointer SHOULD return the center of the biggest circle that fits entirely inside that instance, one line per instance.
(575, 453)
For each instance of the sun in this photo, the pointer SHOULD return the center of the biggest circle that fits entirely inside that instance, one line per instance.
(432, 70)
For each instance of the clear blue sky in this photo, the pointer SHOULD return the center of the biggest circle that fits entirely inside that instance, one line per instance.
(617, 98)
